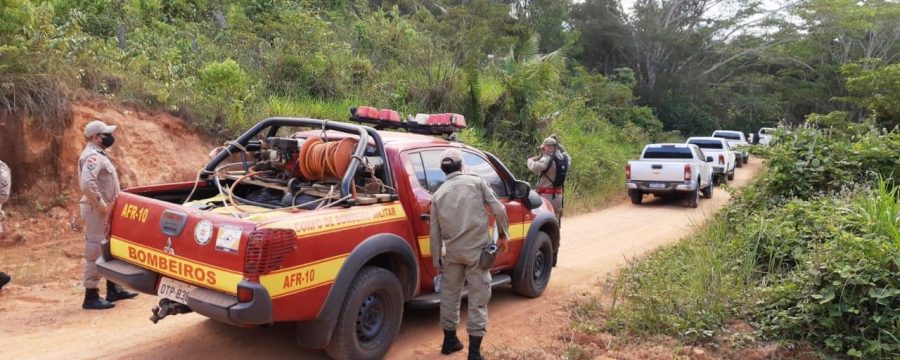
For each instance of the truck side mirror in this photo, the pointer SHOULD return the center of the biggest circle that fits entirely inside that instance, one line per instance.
(533, 201)
(709, 159)
(521, 189)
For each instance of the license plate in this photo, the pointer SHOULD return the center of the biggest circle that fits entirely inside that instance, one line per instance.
(656, 185)
(174, 290)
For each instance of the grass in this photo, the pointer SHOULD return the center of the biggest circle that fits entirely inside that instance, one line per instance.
(688, 290)
(880, 211)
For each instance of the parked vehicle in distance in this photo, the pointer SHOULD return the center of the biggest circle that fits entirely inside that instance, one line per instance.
(723, 158)
(737, 142)
(764, 135)
(665, 169)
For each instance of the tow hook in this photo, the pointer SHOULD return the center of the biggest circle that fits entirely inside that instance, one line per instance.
(168, 307)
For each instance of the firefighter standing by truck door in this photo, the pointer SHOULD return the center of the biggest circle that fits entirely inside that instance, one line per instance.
(99, 184)
(459, 237)
(5, 185)
(551, 168)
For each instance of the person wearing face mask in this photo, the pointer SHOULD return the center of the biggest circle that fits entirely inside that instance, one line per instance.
(99, 184)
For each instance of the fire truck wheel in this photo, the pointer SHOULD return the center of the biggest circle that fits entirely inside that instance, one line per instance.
(535, 275)
(370, 317)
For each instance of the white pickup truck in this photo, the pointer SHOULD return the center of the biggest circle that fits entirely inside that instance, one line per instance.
(723, 158)
(670, 168)
(738, 144)
(764, 135)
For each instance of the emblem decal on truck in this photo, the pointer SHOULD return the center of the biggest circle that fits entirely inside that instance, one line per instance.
(229, 239)
(203, 232)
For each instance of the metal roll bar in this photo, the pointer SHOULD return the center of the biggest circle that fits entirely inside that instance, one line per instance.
(275, 123)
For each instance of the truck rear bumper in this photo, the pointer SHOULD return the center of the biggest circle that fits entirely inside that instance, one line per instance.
(212, 304)
(669, 187)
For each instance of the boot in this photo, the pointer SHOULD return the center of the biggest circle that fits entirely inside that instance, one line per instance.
(475, 347)
(114, 292)
(451, 343)
(92, 300)
(4, 279)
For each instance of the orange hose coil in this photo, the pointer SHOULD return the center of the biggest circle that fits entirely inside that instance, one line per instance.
(319, 160)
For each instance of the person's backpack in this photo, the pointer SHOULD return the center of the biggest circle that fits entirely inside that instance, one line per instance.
(562, 169)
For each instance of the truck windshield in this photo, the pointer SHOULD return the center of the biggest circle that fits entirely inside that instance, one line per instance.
(668, 153)
(729, 136)
(707, 144)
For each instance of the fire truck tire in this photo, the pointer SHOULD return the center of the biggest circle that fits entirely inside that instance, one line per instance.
(535, 276)
(370, 316)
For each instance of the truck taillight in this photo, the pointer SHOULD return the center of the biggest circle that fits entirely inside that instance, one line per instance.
(687, 173)
(266, 249)
(721, 159)
(628, 172)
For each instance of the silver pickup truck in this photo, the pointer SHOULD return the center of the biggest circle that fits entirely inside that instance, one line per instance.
(665, 169)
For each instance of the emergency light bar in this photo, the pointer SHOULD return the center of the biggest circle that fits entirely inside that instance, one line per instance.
(425, 124)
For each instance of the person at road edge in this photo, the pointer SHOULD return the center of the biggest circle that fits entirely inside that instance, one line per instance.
(551, 168)
(459, 235)
(99, 184)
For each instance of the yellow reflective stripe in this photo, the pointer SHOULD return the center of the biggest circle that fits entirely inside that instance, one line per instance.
(176, 267)
(322, 223)
(304, 277)
(517, 232)
(425, 245)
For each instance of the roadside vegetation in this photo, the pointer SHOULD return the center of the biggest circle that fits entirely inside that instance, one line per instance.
(223, 65)
(604, 78)
(807, 252)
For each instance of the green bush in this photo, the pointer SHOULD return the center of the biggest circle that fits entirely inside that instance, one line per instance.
(225, 65)
(811, 161)
(815, 255)
(844, 291)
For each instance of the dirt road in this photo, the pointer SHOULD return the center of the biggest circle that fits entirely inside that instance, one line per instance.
(46, 321)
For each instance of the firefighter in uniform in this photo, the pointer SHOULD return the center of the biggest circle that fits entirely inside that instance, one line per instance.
(99, 184)
(544, 167)
(5, 184)
(459, 233)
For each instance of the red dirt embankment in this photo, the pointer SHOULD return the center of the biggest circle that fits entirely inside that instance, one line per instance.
(42, 247)
(150, 148)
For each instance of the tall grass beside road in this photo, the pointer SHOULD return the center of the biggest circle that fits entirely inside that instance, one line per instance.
(686, 290)
(810, 251)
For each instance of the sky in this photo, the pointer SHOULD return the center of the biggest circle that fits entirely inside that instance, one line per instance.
(769, 5)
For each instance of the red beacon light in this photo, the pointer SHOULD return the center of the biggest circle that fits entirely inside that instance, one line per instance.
(380, 119)
(426, 124)
(364, 113)
(437, 124)
(389, 115)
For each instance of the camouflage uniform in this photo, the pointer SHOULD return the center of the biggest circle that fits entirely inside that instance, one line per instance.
(99, 183)
(459, 232)
(544, 167)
